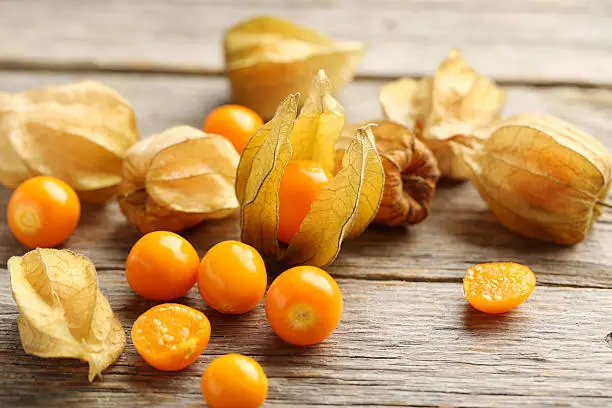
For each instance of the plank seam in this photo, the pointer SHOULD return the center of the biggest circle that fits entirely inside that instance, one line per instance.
(10, 65)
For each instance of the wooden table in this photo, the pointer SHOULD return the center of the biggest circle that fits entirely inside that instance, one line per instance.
(407, 336)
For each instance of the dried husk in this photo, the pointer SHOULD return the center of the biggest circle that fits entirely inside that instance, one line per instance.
(79, 133)
(62, 313)
(455, 106)
(178, 178)
(345, 206)
(267, 58)
(411, 172)
(542, 177)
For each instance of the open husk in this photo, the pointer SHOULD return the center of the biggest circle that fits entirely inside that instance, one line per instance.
(542, 177)
(267, 58)
(344, 207)
(455, 106)
(79, 133)
(411, 172)
(178, 178)
(62, 313)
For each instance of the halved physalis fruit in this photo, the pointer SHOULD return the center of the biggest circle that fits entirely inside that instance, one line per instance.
(171, 336)
(275, 157)
(498, 287)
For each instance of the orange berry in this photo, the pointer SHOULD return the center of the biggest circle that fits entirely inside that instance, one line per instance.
(304, 305)
(235, 122)
(43, 212)
(498, 287)
(162, 266)
(171, 336)
(232, 277)
(234, 381)
(299, 187)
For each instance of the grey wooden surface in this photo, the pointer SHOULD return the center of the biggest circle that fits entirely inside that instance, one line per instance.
(407, 337)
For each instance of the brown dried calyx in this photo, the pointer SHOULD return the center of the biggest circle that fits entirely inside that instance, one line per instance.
(411, 172)
(178, 178)
(79, 133)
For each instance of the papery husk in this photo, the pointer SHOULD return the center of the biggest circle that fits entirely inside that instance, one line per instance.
(79, 133)
(542, 177)
(344, 207)
(411, 172)
(62, 313)
(455, 106)
(267, 58)
(176, 179)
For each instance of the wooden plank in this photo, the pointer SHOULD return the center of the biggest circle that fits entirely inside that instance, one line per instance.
(536, 42)
(398, 344)
(459, 233)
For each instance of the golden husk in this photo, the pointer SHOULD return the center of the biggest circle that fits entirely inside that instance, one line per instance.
(542, 177)
(455, 106)
(178, 178)
(79, 133)
(344, 207)
(267, 58)
(62, 313)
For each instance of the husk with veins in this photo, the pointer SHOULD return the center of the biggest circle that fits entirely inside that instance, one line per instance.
(455, 106)
(62, 312)
(542, 177)
(267, 58)
(344, 207)
(411, 172)
(79, 133)
(176, 179)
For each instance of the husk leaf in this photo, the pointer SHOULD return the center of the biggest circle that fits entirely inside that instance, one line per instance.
(344, 207)
(542, 177)
(319, 125)
(268, 58)
(455, 106)
(260, 171)
(79, 133)
(177, 179)
(62, 313)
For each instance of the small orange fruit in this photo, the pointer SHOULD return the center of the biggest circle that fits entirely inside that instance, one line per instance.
(43, 212)
(304, 305)
(162, 266)
(234, 381)
(498, 287)
(171, 336)
(235, 122)
(299, 187)
(232, 277)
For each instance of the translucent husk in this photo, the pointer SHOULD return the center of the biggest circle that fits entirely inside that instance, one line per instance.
(268, 58)
(411, 172)
(62, 313)
(177, 179)
(456, 106)
(79, 133)
(344, 207)
(542, 177)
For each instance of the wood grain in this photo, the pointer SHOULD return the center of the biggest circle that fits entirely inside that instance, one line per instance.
(556, 41)
(398, 344)
(460, 232)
